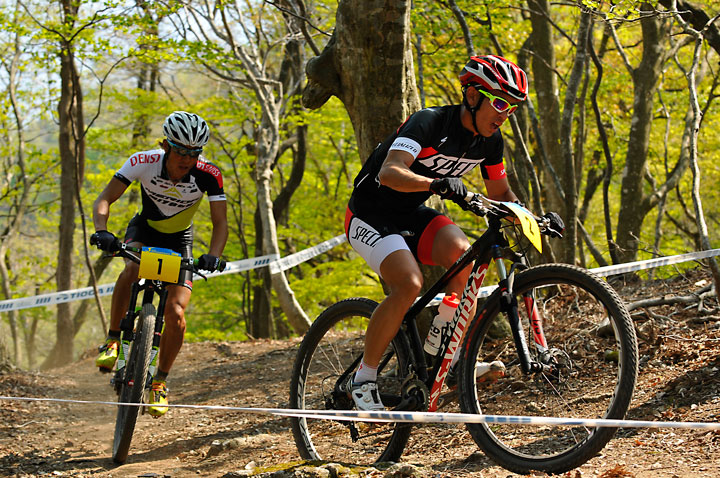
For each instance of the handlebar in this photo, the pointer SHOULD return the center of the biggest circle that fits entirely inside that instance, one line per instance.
(484, 206)
(126, 251)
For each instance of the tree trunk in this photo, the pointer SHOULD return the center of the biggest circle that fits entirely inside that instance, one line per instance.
(72, 160)
(368, 65)
(267, 145)
(633, 207)
(546, 87)
(261, 320)
(569, 178)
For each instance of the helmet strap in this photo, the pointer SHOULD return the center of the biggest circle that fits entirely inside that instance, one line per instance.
(472, 109)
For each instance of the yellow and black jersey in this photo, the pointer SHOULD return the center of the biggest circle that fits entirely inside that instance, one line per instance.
(169, 207)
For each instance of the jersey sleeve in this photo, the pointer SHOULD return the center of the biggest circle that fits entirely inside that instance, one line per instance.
(213, 186)
(416, 132)
(493, 167)
(132, 169)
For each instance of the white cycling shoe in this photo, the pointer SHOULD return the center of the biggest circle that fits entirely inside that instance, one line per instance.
(366, 396)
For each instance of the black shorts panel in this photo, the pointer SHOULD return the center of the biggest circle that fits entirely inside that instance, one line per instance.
(410, 225)
(138, 230)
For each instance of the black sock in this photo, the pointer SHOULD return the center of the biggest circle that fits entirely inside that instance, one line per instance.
(114, 334)
(160, 376)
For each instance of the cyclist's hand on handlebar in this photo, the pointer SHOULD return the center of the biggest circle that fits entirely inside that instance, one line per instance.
(450, 188)
(208, 262)
(556, 226)
(105, 241)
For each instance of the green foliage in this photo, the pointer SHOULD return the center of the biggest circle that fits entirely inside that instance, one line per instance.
(115, 44)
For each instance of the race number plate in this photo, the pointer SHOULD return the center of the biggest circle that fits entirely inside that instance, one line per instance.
(157, 263)
(529, 224)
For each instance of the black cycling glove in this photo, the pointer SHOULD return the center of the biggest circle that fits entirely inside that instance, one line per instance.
(449, 188)
(208, 262)
(105, 241)
(556, 226)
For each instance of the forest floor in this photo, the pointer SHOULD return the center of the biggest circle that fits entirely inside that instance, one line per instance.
(679, 380)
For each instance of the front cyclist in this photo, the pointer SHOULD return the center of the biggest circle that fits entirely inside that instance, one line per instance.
(173, 181)
(427, 155)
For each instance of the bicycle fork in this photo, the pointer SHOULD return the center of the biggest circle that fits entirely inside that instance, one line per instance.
(157, 334)
(509, 306)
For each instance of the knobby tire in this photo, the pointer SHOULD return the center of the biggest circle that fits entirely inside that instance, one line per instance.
(331, 345)
(597, 371)
(136, 371)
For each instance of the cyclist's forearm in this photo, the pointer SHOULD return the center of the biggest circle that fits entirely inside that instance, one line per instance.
(101, 208)
(101, 212)
(218, 239)
(396, 174)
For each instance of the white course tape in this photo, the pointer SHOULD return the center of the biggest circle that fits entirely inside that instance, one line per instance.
(606, 271)
(54, 298)
(292, 260)
(276, 265)
(285, 263)
(242, 265)
(650, 263)
(408, 417)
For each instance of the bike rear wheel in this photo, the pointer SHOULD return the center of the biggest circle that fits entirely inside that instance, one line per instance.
(132, 389)
(328, 356)
(591, 342)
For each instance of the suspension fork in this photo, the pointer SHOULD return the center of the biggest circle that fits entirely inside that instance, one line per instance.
(509, 306)
(127, 325)
(157, 332)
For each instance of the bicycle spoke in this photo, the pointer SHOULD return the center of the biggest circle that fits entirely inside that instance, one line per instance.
(592, 372)
(332, 347)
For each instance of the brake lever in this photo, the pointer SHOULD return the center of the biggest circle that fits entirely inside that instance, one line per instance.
(544, 225)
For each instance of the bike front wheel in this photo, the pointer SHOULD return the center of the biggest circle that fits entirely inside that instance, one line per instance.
(591, 363)
(326, 360)
(133, 385)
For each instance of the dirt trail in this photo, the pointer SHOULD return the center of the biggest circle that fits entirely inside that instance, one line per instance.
(679, 380)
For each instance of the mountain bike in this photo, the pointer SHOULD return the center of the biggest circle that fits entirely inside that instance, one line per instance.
(141, 329)
(571, 352)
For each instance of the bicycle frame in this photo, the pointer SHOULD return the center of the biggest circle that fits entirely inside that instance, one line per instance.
(486, 248)
(149, 289)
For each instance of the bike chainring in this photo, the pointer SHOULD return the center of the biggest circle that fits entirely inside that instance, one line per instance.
(415, 394)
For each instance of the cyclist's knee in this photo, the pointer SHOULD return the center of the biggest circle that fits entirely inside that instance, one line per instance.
(449, 245)
(174, 315)
(410, 285)
(130, 273)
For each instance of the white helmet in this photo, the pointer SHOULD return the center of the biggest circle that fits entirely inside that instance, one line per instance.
(187, 129)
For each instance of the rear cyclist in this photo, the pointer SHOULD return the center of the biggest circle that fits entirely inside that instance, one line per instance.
(428, 154)
(173, 180)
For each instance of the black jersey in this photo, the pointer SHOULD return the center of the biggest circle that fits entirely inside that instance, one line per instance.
(169, 207)
(442, 147)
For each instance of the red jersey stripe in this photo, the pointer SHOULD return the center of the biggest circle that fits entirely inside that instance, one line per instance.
(496, 171)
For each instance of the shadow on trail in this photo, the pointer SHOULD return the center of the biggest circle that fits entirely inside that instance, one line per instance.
(243, 443)
(37, 462)
(675, 399)
(227, 376)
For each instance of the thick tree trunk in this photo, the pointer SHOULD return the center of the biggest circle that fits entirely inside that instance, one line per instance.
(368, 65)
(633, 204)
(72, 159)
(548, 110)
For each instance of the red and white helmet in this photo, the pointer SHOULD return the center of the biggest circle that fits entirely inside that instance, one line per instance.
(493, 72)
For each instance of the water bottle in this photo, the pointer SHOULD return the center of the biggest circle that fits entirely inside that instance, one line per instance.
(446, 311)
